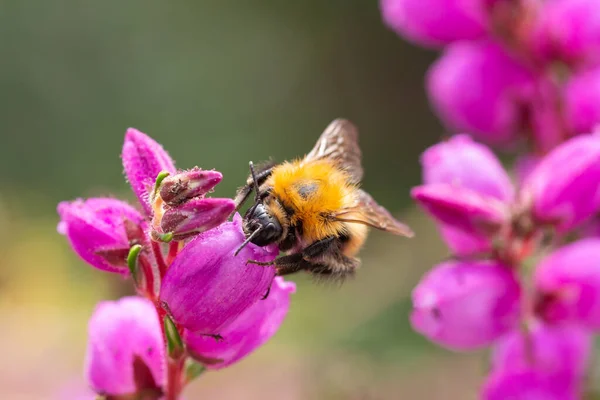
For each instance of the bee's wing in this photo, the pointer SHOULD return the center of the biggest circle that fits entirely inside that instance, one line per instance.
(339, 143)
(366, 211)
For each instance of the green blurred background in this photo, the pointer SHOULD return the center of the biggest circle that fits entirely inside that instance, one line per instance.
(218, 83)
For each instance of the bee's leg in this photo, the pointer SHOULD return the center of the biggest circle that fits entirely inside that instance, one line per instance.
(281, 261)
(319, 248)
(335, 267)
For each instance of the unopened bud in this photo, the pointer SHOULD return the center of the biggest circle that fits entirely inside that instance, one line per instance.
(186, 185)
(196, 216)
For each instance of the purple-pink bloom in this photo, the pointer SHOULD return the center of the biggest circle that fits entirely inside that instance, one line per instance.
(125, 347)
(253, 328)
(435, 22)
(196, 216)
(560, 352)
(187, 185)
(207, 287)
(568, 284)
(143, 159)
(524, 385)
(462, 208)
(582, 101)
(101, 231)
(567, 31)
(460, 161)
(466, 305)
(478, 88)
(564, 188)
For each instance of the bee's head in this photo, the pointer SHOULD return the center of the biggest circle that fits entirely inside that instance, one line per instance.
(261, 227)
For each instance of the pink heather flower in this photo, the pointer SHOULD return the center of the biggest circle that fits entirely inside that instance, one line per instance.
(435, 22)
(196, 216)
(253, 328)
(564, 188)
(462, 162)
(560, 352)
(477, 87)
(582, 101)
(186, 185)
(207, 287)
(568, 31)
(125, 351)
(568, 284)
(462, 208)
(143, 159)
(101, 231)
(466, 305)
(525, 385)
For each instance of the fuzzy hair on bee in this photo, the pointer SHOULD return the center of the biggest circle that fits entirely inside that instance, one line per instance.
(314, 209)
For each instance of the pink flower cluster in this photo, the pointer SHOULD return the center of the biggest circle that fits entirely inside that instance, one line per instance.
(198, 307)
(524, 276)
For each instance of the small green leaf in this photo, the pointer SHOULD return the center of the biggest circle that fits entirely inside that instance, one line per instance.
(193, 369)
(161, 177)
(174, 342)
(132, 259)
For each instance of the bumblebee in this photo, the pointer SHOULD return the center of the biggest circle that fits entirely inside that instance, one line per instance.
(313, 208)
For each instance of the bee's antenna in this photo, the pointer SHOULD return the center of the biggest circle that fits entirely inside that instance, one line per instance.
(247, 241)
(256, 189)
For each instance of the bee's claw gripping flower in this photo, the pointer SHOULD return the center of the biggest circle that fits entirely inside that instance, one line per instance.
(250, 330)
(561, 353)
(466, 305)
(462, 208)
(101, 231)
(435, 22)
(207, 287)
(196, 216)
(477, 87)
(143, 159)
(568, 284)
(125, 347)
(186, 185)
(564, 188)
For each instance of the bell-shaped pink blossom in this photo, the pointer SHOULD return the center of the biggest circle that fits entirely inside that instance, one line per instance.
(525, 385)
(462, 162)
(479, 88)
(125, 351)
(564, 188)
(561, 352)
(253, 328)
(568, 284)
(186, 185)
(466, 305)
(143, 159)
(567, 31)
(435, 22)
(462, 208)
(196, 216)
(101, 231)
(206, 287)
(582, 101)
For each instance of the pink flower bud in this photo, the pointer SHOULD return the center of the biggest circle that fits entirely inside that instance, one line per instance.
(125, 351)
(435, 22)
(101, 231)
(186, 185)
(207, 287)
(524, 385)
(568, 284)
(143, 159)
(196, 216)
(462, 162)
(466, 305)
(567, 31)
(477, 87)
(253, 328)
(582, 101)
(462, 208)
(559, 352)
(564, 188)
